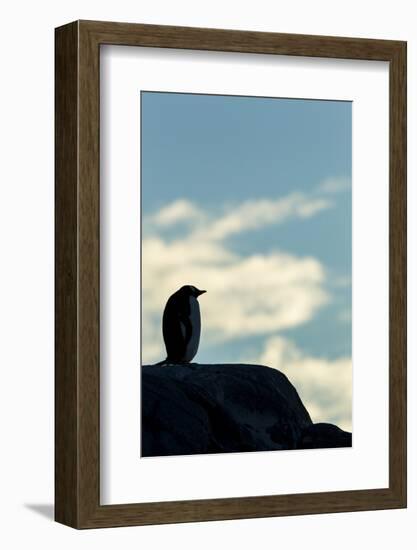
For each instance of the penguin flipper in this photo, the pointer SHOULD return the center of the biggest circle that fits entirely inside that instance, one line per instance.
(186, 328)
(177, 330)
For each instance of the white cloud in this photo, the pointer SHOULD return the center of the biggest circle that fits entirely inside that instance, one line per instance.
(335, 185)
(342, 281)
(247, 295)
(324, 385)
(251, 295)
(179, 211)
(254, 214)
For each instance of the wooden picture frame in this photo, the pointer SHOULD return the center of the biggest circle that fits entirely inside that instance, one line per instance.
(77, 372)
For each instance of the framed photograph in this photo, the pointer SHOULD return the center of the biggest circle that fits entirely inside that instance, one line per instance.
(230, 274)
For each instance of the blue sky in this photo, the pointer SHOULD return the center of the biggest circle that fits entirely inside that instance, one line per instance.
(246, 187)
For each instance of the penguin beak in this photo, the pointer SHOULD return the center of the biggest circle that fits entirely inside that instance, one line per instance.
(199, 292)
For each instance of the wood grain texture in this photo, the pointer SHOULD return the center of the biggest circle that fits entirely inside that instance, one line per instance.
(77, 402)
(66, 237)
(398, 274)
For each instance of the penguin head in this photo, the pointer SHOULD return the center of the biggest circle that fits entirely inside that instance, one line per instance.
(190, 290)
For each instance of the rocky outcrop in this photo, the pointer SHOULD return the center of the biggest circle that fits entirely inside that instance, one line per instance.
(324, 436)
(194, 408)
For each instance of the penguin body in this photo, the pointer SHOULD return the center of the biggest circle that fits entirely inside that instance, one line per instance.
(181, 324)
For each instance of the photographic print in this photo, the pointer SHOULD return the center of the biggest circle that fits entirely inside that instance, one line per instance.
(207, 245)
(246, 273)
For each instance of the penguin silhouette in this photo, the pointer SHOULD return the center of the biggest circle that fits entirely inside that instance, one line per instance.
(181, 324)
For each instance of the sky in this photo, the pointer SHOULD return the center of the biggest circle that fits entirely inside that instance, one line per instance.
(250, 198)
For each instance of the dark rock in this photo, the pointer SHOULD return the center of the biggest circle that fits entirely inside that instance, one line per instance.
(323, 435)
(194, 409)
